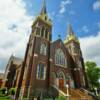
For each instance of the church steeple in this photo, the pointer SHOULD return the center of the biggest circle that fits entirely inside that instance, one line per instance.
(43, 11)
(70, 30)
(70, 35)
(42, 26)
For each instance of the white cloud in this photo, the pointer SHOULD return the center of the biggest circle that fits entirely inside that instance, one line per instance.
(85, 29)
(96, 5)
(63, 5)
(91, 48)
(2, 71)
(52, 15)
(15, 26)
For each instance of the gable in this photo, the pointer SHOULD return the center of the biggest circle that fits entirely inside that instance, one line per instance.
(58, 44)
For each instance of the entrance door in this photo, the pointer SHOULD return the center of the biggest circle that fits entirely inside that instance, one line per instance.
(61, 83)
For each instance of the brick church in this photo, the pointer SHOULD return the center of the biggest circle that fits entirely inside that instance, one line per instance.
(49, 65)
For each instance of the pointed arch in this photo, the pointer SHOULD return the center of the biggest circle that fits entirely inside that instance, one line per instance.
(41, 71)
(43, 49)
(46, 33)
(61, 75)
(42, 32)
(60, 58)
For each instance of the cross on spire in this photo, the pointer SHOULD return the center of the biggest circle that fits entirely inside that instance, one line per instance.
(43, 11)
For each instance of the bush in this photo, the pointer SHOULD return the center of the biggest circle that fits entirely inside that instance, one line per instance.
(62, 98)
(2, 90)
(12, 91)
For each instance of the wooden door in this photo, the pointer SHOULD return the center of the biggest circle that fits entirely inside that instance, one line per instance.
(61, 83)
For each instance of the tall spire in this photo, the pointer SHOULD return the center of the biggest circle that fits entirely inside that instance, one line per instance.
(43, 11)
(71, 35)
(70, 30)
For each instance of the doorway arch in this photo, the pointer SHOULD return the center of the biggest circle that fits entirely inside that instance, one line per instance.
(62, 79)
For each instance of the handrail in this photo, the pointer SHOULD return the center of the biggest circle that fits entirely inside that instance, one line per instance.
(75, 93)
(89, 93)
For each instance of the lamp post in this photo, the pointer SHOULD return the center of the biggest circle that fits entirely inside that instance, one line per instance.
(67, 90)
(96, 91)
(67, 94)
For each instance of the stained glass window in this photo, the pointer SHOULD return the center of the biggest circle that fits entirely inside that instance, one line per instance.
(41, 71)
(60, 57)
(43, 49)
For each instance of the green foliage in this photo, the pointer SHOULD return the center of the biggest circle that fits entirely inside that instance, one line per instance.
(61, 98)
(2, 90)
(5, 98)
(93, 74)
(12, 91)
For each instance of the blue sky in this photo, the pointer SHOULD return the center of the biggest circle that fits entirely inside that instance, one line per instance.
(80, 13)
(17, 16)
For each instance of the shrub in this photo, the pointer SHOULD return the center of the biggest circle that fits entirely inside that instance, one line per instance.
(2, 90)
(62, 98)
(12, 91)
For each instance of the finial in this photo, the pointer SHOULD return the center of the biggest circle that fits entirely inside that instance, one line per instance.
(59, 36)
(43, 11)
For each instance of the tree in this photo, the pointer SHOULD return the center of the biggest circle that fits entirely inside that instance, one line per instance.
(93, 74)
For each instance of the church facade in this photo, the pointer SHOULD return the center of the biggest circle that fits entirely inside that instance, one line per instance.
(12, 72)
(49, 66)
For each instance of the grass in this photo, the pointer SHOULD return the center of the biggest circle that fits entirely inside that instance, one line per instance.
(5, 98)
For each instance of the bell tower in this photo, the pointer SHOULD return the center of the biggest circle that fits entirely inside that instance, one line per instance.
(42, 25)
(35, 69)
(73, 45)
(36, 75)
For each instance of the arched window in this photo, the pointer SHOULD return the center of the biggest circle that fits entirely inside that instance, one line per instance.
(38, 31)
(42, 32)
(43, 49)
(45, 17)
(41, 71)
(46, 33)
(79, 63)
(60, 58)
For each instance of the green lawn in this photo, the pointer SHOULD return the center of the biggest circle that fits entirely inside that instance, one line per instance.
(5, 98)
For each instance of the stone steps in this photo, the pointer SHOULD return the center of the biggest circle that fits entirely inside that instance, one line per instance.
(76, 94)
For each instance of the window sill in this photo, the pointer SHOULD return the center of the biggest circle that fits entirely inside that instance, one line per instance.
(40, 79)
(60, 65)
